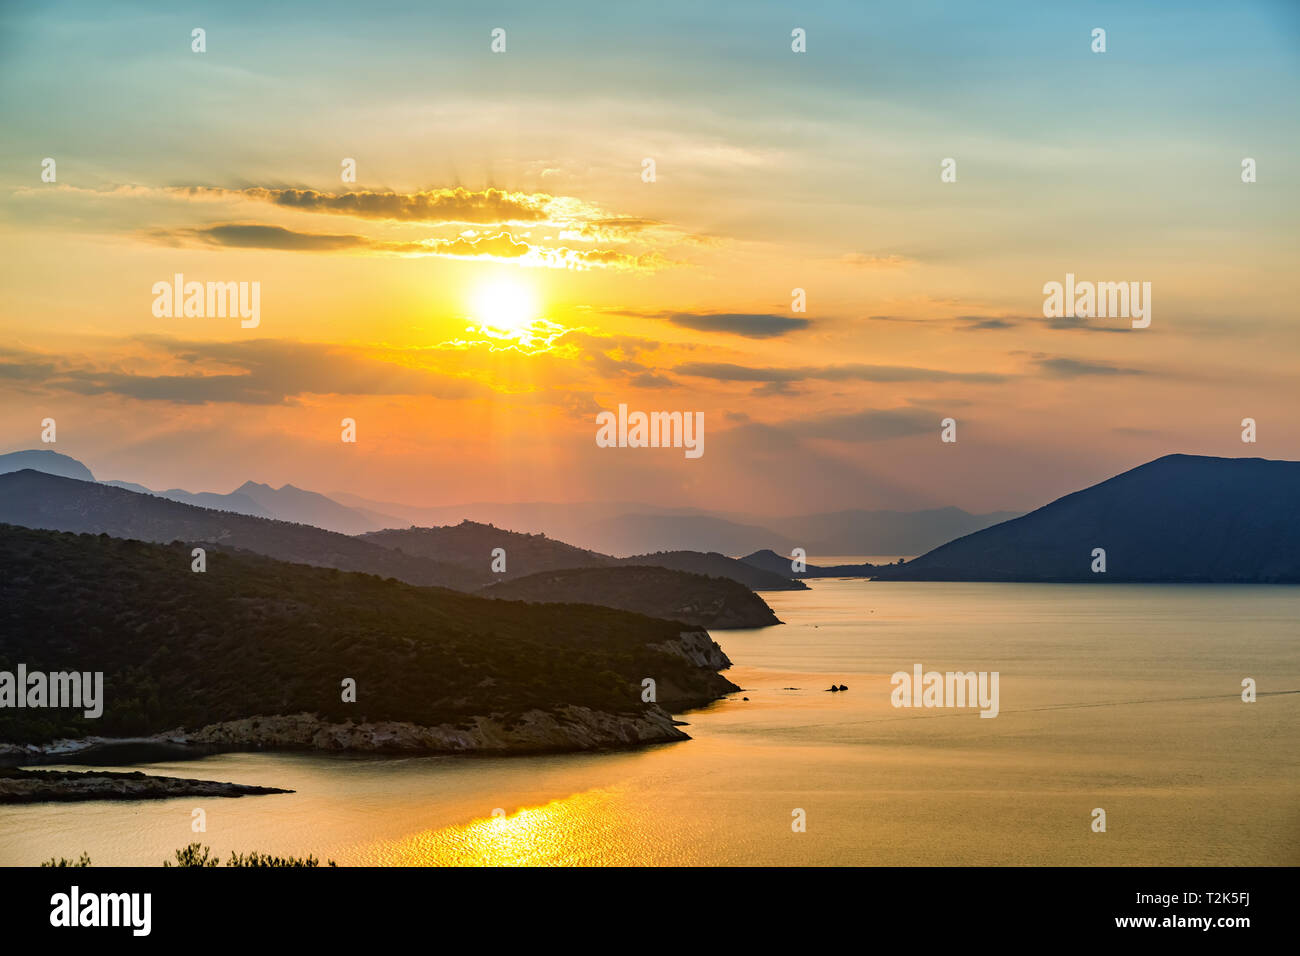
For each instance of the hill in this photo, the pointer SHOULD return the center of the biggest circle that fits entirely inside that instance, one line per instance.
(660, 592)
(717, 565)
(309, 507)
(254, 652)
(238, 503)
(627, 533)
(470, 545)
(1180, 518)
(769, 560)
(37, 500)
(50, 462)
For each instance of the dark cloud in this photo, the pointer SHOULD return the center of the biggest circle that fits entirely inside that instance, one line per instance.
(255, 236)
(457, 205)
(259, 236)
(501, 246)
(727, 372)
(750, 325)
(987, 321)
(652, 380)
(1078, 368)
(1079, 324)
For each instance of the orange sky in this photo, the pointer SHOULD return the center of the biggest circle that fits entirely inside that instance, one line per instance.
(500, 271)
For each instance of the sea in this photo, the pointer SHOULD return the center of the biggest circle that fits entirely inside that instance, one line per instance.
(1123, 699)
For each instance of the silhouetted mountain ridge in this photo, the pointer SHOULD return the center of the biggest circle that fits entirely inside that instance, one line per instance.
(257, 638)
(657, 592)
(1180, 518)
(35, 499)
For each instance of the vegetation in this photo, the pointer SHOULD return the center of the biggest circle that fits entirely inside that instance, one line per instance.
(196, 855)
(1180, 518)
(201, 856)
(470, 544)
(690, 598)
(253, 636)
(720, 566)
(37, 500)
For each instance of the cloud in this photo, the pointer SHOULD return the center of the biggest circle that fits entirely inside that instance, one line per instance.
(987, 322)
(750, 325)
(458, 205)
(257, 236)
(863, 260)
(501, 247)
(727, 372)
(997, 322)
(255, 372)
(879, 424)
(1075, 323)
(1078, 368)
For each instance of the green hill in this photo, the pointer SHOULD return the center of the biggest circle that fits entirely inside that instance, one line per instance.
(253, 636)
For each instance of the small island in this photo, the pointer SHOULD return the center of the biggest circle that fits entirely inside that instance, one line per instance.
(45, 786)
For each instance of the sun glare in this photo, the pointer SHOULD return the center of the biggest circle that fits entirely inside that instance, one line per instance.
(506, 305)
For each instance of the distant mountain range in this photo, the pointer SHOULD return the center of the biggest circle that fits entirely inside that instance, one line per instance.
(622, 529)
(1180, 518)
(251, 498)
(471, 545)
(50, 462)
(36, 499)
(628, 528)
(769, 560)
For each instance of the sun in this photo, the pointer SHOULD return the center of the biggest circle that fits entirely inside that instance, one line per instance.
(507, 305)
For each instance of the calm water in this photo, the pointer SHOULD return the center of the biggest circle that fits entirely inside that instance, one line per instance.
(1120, 697)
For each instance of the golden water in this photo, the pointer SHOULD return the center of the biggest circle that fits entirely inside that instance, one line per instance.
(1122, 697)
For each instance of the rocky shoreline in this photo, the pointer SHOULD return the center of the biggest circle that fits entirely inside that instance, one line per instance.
(43, 786)
(561, 730)
(566, 730)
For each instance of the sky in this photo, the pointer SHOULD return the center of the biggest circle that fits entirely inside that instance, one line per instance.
(503, 268)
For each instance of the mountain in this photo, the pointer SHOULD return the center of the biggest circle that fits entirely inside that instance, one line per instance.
(254, 652)
(718, 566)
(628, 528)
(880, 532)
(769, 560)
(1180, 518)
(287, 503)
(240, 504)
(36, 500)
(309, 507)
(471, 545)
(417, 556)
(50, 462)
(627, 533)
(657, 592)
